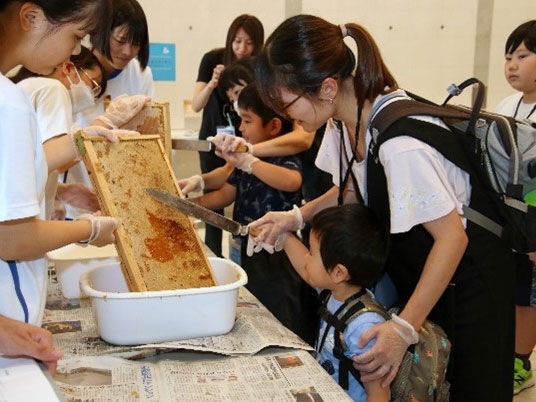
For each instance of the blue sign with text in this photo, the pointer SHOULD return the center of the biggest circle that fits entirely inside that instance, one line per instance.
(162, 61)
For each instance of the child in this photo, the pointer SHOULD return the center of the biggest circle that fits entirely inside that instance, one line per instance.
(348, 249)
(258, 186)
(520, 72)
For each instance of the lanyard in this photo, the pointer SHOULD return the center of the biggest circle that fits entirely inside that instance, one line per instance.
(517, 109)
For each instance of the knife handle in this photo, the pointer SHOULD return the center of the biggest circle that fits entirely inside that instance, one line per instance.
(241, 148)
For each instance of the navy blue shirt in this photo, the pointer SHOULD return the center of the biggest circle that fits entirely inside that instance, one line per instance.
(254, 198)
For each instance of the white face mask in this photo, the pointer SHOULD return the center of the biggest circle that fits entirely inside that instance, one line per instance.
(81, 95)
(235, 107)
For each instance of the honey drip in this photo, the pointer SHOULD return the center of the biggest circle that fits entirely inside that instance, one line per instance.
(171, 239)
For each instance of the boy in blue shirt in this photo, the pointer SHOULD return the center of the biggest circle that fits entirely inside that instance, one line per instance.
(258, 186)
(348, 249)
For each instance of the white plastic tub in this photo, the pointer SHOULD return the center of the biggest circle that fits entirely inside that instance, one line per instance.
(133, 318)
(73, 260)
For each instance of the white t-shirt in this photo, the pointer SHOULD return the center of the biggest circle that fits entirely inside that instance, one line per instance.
(131, 81)
(52, 104)
(509, 104)
(422, 184)
(23, 174)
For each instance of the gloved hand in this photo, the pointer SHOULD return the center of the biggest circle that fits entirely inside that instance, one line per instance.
(102, 229)
(273, 226)
(93, 131)
(384, 358)
(78, 195)
(242, 161)
(229, 143)
(193, 183)
(255, 246)
(122, 109)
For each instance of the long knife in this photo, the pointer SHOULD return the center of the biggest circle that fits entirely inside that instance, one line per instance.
(200, 145)
(197, 211)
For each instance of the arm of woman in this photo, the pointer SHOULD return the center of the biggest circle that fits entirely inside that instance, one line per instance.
(291, 143)
(450, 242)
(203, 90)
(30, 238)
(278, 177)
(60, 151)
(217, 177)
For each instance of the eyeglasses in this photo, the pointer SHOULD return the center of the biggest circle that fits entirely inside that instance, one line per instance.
(285, 107)
(96, 89)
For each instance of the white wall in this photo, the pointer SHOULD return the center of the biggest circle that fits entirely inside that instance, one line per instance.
(427, 44)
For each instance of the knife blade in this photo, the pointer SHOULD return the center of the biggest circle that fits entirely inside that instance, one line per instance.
(199, 145)
(197, 211)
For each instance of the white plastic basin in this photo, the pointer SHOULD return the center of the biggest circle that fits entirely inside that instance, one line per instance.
(72, 260)
(133, 318)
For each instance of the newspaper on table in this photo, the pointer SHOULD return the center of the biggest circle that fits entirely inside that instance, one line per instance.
(74, 328)
(268, 376)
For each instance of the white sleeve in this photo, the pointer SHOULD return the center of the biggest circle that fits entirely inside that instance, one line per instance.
(147, 84)
(54, 111)
(422, 185)
(19, 196)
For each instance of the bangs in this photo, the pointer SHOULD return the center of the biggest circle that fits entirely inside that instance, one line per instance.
(95, 16)
(135, 34)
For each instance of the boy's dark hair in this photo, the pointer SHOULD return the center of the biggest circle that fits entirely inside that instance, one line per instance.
(525, 33)
(249, 99)
(129, 13)
(234, 73)
(352, 235)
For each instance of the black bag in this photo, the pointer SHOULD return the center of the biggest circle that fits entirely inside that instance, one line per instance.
(498, 152)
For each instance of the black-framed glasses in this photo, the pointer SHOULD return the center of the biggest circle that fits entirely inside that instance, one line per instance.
(96, 90)
(292, 102)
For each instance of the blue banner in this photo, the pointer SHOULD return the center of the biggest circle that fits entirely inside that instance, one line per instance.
(162, 61)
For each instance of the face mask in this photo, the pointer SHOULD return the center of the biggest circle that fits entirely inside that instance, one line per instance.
(81, 95)
(235, 107)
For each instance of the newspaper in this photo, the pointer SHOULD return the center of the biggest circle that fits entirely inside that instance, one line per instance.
(75, 331)
(271, 375)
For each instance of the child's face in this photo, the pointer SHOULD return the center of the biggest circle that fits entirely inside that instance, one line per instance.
(232, 93)
(520, 69)
(252, 128)
(318, 276)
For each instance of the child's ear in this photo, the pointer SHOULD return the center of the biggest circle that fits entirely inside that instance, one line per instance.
(275, 125)
(67, 67)
(339, 274)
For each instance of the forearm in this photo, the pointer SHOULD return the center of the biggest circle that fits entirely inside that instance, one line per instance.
(201, 96)
(217, 177)
(277, 177)
(31, 238)
(288, 144)
(298, 255)
(215, 200)
(375, 392)
(439, 268)
(59, 152)
(326, 200)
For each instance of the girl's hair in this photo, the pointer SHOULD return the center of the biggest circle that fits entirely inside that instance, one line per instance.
(252, 26)
(525, 33)
(130, 14)
(304, 50)
(59, 12)
(85, 59)
(234, 74)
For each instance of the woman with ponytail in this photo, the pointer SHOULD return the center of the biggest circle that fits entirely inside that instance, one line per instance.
(307, 72)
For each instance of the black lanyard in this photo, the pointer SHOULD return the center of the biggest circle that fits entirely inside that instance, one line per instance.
(349, 172)
(517, 109)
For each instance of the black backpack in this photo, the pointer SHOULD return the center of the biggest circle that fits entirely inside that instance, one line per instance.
(422, 373)
(498, 152)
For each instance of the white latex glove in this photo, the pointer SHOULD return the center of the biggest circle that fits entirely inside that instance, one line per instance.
(229, 143)
(242, 161)
(384, 358)
(273, 226)
(94, 131)
(193, 183)
(122, 109)
(102, 229)
(255, 246)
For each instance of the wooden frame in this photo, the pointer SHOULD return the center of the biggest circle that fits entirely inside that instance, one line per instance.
(159, 249)
(153, 119)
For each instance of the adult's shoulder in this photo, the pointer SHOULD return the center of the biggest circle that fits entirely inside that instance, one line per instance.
(213, 57)
(41, 86)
